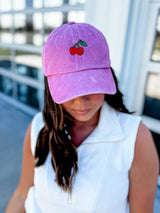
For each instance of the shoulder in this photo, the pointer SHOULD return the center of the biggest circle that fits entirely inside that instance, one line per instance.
(145, 151)
(145, 147)
(36, 125)
(144, 172)
(37, 118)
(37, 122)
(130, 118)
(129, 123)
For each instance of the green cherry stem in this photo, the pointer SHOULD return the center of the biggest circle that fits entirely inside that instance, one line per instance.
(80, 42)
(77, 44)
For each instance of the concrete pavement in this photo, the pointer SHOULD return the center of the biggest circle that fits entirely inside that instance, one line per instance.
(13, 126)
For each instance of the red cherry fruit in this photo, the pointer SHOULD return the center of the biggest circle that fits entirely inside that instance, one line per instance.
(73, 50)
(80, 51)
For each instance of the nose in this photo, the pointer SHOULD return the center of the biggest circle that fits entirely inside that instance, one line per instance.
(82, 99)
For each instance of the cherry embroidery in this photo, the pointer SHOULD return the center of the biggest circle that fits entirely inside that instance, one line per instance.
(76, 49)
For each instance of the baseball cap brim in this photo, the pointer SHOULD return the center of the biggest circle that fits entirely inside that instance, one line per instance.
(72, 85)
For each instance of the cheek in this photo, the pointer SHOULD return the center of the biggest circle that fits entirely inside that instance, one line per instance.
(65, 107)
(99, 99)
(67, 104)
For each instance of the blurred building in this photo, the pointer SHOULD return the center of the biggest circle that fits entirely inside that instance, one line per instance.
(131, 27)
(24, 27)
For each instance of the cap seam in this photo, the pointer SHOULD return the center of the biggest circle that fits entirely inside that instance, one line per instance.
(77, 64)
(78, 71)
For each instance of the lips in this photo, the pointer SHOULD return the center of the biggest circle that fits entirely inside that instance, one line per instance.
(81, 112)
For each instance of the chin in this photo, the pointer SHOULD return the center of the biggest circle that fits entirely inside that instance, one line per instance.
(83, 118)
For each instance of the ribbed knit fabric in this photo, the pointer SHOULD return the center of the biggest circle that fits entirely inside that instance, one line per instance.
(104, 160)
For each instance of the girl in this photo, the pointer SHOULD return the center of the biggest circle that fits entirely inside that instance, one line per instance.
(86, 153)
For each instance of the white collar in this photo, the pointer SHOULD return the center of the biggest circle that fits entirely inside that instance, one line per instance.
(108, 128)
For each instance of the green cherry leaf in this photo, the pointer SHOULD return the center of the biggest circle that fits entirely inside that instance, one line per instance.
(83, 43)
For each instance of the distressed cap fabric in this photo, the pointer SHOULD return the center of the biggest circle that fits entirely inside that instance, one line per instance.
(76, 62)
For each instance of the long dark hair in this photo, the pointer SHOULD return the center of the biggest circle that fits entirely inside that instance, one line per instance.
(53, 137)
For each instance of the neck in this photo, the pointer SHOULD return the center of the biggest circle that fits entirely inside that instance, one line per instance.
(80, 130)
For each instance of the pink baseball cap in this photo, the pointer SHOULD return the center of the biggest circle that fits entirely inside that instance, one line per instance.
(76, 62)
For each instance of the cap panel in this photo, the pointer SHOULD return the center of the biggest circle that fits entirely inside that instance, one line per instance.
(56, 56)
(58, 59)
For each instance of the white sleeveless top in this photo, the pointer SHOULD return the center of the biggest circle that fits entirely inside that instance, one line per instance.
(104, 160)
